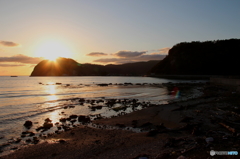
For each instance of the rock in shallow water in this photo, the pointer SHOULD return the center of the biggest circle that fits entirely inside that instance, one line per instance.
(84, 119)
(28, 124)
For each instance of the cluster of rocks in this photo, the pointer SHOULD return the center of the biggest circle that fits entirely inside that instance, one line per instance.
(109, 84)
(66, 123)
(115, 104)
(128, 84)
(57, 83)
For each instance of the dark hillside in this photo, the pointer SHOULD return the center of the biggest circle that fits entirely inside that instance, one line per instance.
(69, 67)
(201, 58)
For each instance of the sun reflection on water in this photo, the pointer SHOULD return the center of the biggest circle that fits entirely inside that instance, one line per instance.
(51, 90)
(54, 116)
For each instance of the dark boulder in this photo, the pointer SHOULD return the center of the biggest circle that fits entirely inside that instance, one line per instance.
(84, 119)
(102, 84)
(47, 125)
(28, 124)
(73, 116)
(63, 120)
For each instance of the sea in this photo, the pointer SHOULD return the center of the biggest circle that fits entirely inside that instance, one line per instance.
(25, 98)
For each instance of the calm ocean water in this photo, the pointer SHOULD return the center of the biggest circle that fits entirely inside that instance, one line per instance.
(37, 98)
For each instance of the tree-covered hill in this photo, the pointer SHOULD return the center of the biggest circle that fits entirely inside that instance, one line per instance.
(219, 57)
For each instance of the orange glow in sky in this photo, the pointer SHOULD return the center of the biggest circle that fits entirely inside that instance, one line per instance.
(52, 49)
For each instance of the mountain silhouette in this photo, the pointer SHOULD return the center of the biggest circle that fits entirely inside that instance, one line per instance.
(69, 67)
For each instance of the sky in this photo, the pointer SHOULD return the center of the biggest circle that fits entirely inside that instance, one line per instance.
(107, 31)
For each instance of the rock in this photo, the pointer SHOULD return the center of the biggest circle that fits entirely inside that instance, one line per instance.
(84, 119)
(103, 84)
(62, 141)
(66, 128)
(58, 83)
(39, 128)
(81, 100)
(35, 141)
(47, 125)
(23, 135)
(71, 106)
(31, 134)
(28, 124)
(93, 108)
(121, 125)
(73, 121)
(48, 120)
(63, 120)
(28, 140)
(14, 148)
(126, 83)
(181, 157)
(18, 140)
(209, 140)
(73, 116)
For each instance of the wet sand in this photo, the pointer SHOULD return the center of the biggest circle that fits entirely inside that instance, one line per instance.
(183, 129)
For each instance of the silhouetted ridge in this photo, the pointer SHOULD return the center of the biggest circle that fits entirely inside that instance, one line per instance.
(69, 67)
(201, 58)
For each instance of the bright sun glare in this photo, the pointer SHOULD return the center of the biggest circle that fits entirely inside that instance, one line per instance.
(52, 49)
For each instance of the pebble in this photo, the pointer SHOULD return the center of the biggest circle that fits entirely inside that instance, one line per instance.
(209, 140)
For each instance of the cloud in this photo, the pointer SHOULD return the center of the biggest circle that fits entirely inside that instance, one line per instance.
(97, 54)
(108, 60)
(164, 50)
(126, 54)
(114, 60)
(21, 59)
(32, 65)
(134, 56)
(147, 57)
(9, 43)
(9, 65)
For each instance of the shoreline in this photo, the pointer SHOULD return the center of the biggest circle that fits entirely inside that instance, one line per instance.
(183, 128)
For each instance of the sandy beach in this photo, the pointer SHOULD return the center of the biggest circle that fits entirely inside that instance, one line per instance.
(182, 129)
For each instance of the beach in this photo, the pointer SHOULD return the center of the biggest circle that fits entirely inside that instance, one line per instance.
(182, 129)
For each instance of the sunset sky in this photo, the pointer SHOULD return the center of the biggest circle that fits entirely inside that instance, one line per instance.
(107, 31)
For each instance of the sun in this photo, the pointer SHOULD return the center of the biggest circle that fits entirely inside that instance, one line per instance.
(52, 49)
